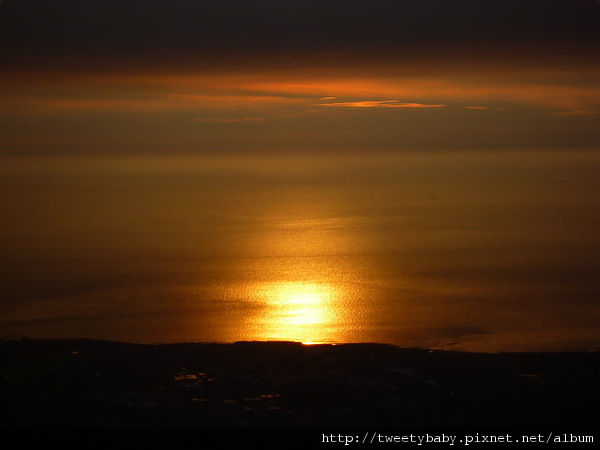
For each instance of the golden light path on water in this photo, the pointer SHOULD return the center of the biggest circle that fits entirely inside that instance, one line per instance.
(299, 311)
(304, 294)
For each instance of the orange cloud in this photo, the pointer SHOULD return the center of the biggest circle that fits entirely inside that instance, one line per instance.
(245, 100)
(380, 104)
(240, 120)
(275, 92)
(48, 103)
(579, 112)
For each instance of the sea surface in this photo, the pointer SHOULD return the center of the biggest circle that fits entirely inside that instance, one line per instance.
(467, 250)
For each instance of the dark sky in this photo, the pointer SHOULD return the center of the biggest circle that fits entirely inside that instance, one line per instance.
(41, 29)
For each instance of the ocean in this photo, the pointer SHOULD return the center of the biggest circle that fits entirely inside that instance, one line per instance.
(476, 250)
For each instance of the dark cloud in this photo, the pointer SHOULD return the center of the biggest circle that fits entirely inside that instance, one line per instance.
(38, 28)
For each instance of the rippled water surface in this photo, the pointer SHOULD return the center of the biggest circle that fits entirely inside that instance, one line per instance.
(468, 250)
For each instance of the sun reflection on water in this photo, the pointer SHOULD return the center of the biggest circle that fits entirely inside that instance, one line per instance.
(299, 311)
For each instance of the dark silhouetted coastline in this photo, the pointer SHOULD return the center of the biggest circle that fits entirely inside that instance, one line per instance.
(62, 383)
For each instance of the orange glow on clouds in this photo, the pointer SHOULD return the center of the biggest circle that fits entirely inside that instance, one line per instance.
(579, 112)
(380, 104)
(240, 120)
(285, 92)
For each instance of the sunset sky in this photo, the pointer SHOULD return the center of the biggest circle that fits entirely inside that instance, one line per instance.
(193, 76)
(415, 172)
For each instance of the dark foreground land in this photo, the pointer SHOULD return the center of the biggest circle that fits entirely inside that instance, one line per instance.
(98, 383)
